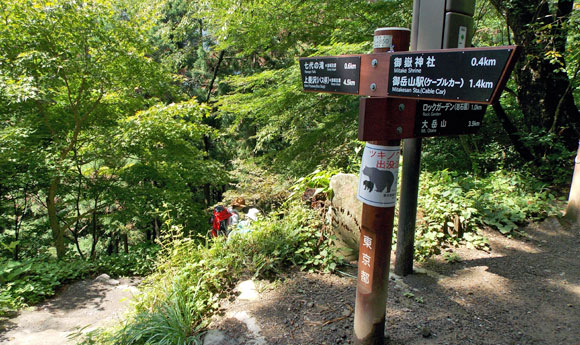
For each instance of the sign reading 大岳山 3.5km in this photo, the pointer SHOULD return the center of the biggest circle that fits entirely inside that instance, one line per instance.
(466, 75)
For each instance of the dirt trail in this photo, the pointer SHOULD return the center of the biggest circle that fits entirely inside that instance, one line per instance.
(87, 304)
(525, 291)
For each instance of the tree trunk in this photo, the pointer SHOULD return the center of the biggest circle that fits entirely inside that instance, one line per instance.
(215, 73)
(156, 228)
(57, 233)
(77, 230)
(573, 209)
(512, 133)
(543, 92)
(125, 239)
(95, 229)
(206, 141)
(18, 218)
(16, 231)
(116, 244)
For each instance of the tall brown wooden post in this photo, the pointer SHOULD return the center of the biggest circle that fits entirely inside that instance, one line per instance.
(397, 82)
(573, 209)
(376, 232)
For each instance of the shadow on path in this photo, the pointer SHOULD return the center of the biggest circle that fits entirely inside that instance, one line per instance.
(89, 303)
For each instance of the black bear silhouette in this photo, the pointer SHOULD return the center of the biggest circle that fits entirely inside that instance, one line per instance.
(368, 185)
(379, 178)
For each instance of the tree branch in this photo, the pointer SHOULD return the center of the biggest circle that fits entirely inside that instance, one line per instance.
(215, 72)
(82, 215)
(512, 132)
(561, 101)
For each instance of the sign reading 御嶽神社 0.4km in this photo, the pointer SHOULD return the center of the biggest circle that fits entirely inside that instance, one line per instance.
(464, 75)
(474, 75)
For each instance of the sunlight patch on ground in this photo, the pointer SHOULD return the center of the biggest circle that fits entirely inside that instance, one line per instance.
(476, 280)
(521, 247)
(572, 289)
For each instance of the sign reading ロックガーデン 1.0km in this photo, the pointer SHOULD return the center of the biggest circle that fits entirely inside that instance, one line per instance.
(454, 75)
(446, 118)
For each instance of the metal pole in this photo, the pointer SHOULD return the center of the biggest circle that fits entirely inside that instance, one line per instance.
(408, 206)
(409, 184)
(376, 235)
(434, 27)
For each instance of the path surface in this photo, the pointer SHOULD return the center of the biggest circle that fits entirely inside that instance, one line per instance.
(525, 291)
(87, 304)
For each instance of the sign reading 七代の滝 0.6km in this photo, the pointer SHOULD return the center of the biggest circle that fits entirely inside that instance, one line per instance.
(466, 75)
(331, 74)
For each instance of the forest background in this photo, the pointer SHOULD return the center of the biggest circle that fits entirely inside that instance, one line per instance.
(123, 122)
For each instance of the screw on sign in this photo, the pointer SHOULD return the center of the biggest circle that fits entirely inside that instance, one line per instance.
(475, 75)
(399, 84)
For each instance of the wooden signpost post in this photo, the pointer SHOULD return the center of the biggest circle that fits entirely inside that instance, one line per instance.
(412, 94)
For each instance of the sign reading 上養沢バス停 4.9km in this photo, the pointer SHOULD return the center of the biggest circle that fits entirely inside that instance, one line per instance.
(461, 75)
(331, 74)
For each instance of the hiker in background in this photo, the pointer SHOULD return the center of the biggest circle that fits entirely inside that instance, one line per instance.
(253, 214)
(238, 205)
(219, 221)
(245, 226)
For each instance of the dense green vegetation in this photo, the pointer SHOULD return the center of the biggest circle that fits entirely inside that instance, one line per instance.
(123, 122)
(192, 277)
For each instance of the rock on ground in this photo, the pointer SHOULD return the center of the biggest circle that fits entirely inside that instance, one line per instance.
(525, 291)
(344, 214)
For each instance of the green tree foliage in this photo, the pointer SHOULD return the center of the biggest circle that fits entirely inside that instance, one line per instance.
(292, 131)
(163, 165)
(546, 74)
(75, 78)
(278, 30)
(70, 70)
(270, 117)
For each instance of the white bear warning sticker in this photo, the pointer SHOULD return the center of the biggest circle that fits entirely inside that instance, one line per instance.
(377, 184)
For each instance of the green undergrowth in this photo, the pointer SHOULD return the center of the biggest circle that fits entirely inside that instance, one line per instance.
(453, 207)
(31, 281)
(193, 275)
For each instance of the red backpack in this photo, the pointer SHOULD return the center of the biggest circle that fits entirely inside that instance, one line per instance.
(219, 221)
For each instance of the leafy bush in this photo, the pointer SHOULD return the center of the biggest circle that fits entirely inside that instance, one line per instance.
(193, 276)
(318, 179)
(140, 261)
(502, 200)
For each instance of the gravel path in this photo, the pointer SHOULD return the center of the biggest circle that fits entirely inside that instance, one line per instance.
(83, 305)
(525, 291)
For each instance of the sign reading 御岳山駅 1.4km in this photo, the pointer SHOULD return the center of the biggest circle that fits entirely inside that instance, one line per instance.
(331, 74)
(464, 75)
(474, 75)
